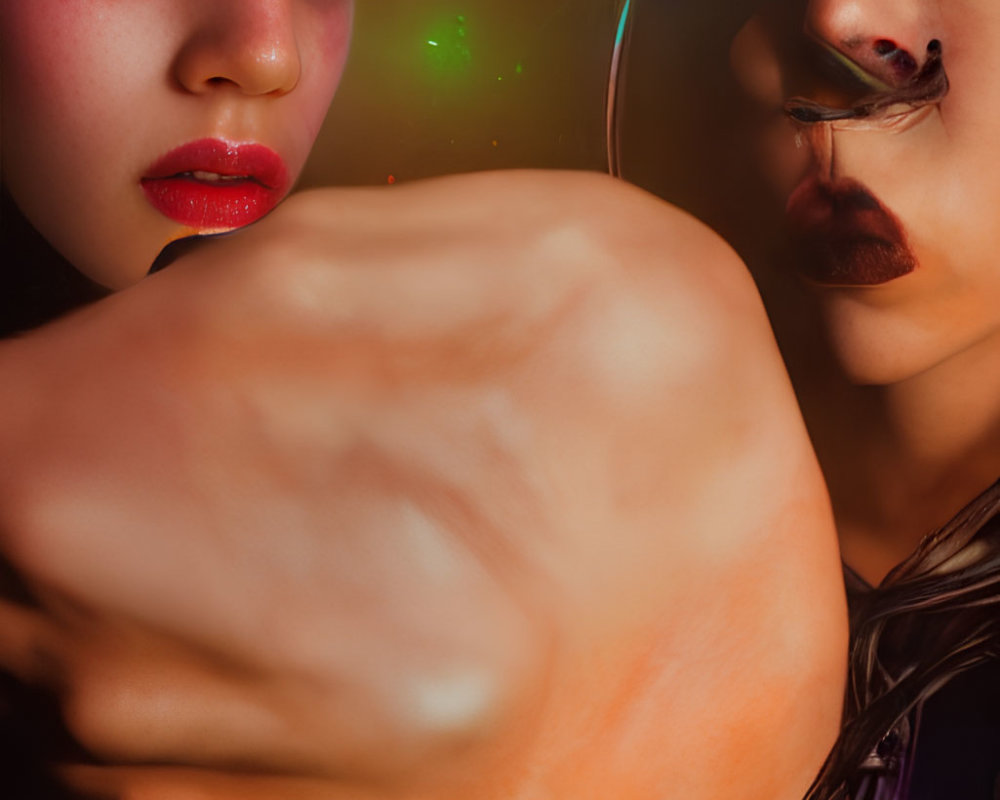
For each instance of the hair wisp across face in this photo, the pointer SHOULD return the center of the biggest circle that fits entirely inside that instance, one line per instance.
(128, 124)
(928, 86)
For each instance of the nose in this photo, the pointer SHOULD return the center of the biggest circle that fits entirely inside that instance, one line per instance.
(888, 39)
(249, 45)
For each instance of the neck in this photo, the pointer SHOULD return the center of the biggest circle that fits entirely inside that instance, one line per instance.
(902, 459)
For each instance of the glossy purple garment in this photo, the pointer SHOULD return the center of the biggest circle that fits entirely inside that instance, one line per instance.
(930, 631)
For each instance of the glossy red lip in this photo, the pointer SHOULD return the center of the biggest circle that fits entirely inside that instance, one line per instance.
(213, 185)
(843, 236)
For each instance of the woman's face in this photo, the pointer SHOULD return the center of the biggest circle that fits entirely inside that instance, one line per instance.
(894, 211)
(127, 124)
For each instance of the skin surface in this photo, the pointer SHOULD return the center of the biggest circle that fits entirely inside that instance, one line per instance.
(96, 92)
(516, 503)
(914, 431)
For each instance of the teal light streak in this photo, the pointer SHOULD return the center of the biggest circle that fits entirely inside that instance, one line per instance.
(612, 108)
(622, 24)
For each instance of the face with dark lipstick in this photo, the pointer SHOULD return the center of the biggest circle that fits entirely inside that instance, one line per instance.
(884, 123)
(127, 124)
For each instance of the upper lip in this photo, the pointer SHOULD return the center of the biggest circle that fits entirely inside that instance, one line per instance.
(254, 161)
(841, 207)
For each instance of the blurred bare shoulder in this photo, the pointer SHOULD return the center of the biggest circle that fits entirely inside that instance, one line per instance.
(524, 440)
(659, 343)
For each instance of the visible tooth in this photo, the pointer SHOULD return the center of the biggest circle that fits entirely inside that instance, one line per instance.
(201, 175)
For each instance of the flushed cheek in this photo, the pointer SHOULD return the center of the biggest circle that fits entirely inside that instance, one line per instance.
(50, 49)
(335, 25)
(330, 37)
(34, 72)
(294, 122)
(73, 85)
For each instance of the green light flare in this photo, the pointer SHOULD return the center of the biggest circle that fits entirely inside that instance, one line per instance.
(447, 46)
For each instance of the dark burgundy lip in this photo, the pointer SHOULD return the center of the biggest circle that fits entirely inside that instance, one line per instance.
(255, 161)
(841, 206)
(843, 235)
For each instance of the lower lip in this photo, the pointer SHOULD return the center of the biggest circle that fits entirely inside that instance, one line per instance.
(844, 236)
(213, 206)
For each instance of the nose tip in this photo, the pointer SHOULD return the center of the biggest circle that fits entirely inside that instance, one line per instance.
(248, 45)
(889, 39)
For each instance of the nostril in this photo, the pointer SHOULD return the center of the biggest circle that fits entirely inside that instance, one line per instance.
(903, 64)
(934, 46)
(884, 46)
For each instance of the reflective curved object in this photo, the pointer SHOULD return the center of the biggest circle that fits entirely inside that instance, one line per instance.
(616, 79)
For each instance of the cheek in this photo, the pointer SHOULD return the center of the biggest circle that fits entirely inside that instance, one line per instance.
(975, 235)
(48, 87)
(327, 40)
(334, 23)
(69, 88)
(50, 48)
(72, 87)
(966, 189)
(323, 37)
(970, 171)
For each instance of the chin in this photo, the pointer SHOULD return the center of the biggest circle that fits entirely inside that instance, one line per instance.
(874, 369)
(875, 347)
(113, 272)
(898, 350)
(121, 257)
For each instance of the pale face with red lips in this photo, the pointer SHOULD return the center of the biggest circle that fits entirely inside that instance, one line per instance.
(131, 123)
